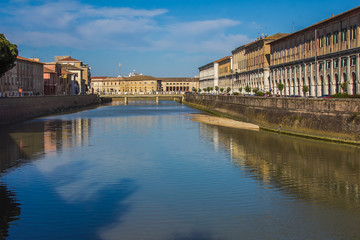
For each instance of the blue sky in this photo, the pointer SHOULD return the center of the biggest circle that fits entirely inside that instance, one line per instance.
(156, 37)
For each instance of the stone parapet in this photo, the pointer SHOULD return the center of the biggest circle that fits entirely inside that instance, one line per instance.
(334, 118)
(24, 108)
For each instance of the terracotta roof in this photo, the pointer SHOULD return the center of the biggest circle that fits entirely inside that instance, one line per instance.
(140, 78)
(29, 60)
(48, 70)
(63, 71)
(314, 26)
(179, 79)
(70, 67)
(69, 59)
(98, 77)
(222, 59)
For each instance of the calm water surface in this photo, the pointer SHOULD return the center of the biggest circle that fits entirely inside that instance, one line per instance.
(147, 171)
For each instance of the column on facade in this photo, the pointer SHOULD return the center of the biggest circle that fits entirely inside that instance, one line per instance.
(318, 87)
(312, 81)
(305, 76)
(291, 87)
(297, 85)
(332, 79)
(348, 77)
(272, 80)
(266, 77)
(286, 87)
(357, 82)
(300, 80)
(324, 86)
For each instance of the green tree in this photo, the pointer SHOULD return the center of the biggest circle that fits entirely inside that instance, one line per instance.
(8, 54)
(344, 87)
(305, 89)
(221, 90)
(211, 89)
(255, 90)
(217, 88)
(228, 89)
(247, 89)
(204, 89)
(194, 89)
(199, 90)
(240, 89)
(280, 86)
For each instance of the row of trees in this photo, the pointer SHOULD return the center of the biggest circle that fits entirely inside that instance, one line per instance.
(305, 88)
(210, 89)
(280, 86)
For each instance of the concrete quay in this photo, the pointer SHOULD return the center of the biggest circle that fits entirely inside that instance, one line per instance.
(335, 120)
(18, 109)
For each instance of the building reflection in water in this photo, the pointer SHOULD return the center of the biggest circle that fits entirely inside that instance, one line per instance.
(309, 170)
(29, 142)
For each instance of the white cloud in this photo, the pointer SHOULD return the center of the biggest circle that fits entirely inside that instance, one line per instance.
(82, 26)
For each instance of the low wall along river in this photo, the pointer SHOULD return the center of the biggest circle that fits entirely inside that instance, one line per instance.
(23, 108)
(332, 119)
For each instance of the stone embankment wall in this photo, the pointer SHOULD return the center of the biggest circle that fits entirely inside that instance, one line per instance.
(333, 118)
(23, 108)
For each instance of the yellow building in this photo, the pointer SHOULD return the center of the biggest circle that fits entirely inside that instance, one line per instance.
(251, 64)
(126, 85)
(322, 57)
(84, 78)
(172, 85)
(225, 73)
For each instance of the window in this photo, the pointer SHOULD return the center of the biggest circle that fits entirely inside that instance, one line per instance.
(321, 42)
(328, 65)
(335, 37)
(353, 32)
(352, 61)
(343, 62)
(328, 39)
(320, 66)
(344, 35)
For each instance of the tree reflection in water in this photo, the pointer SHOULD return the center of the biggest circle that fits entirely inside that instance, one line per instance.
(9, 210)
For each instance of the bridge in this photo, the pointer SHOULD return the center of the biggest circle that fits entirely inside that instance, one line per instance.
(146, 97)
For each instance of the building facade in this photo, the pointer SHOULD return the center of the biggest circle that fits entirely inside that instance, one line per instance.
(82, 79)
(321, 57)
(224, 74)
(208, 75)
(25, 79)
(126, 85)
(52, 79)
(252, 64)
(174, 85)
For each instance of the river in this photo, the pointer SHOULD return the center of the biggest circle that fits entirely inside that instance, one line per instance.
(146, 171)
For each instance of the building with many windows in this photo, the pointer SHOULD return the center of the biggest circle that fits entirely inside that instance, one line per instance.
(172, 85)
(208, 75)
(321, 57)
(25, 79)
(251, 63)
(126, 85)
(82, 73)
(224, 73)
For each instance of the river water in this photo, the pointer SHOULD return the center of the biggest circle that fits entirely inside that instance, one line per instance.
(146, 171)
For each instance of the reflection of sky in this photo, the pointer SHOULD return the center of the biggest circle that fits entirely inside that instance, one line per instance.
(147, 173)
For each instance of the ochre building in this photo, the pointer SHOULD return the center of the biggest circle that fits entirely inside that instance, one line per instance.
(321, 57)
